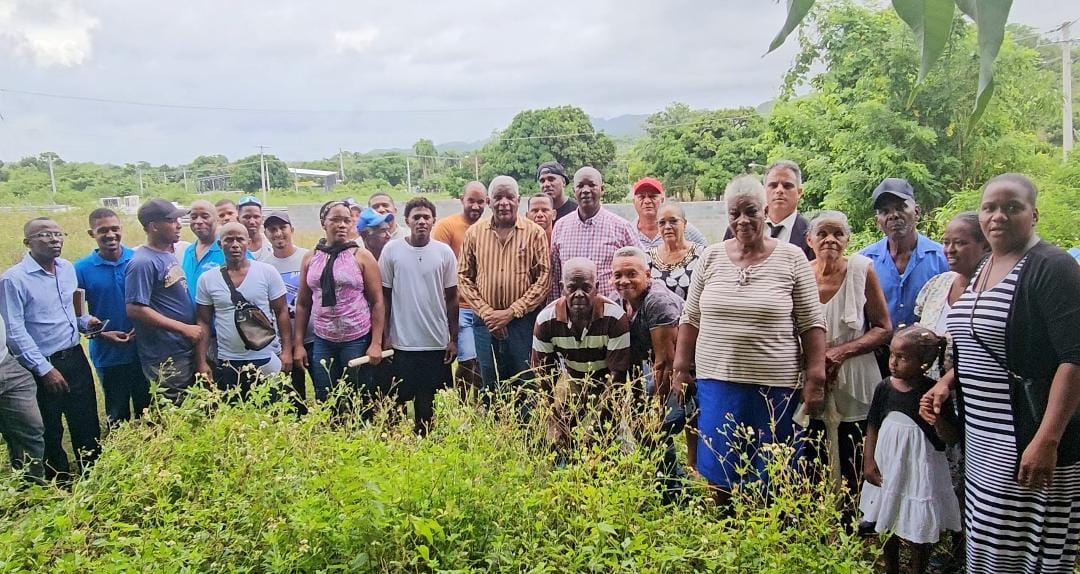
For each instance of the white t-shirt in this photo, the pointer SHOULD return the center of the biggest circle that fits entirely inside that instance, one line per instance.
(261, 285)
(419, 277)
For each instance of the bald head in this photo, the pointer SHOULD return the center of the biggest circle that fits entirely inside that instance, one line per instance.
(588, 190)
(579, 268)
(503, 182)
(203, 221)
(475, 186)
(590, 172)
(234, 227)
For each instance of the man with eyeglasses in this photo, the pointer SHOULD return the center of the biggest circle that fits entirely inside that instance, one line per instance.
(37, 303)
(648, 197)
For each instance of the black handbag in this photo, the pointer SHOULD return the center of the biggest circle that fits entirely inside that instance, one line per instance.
(254, 327)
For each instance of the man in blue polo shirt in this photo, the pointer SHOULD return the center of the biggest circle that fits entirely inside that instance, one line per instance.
(101, 277)
(905, 259)
(205, 253)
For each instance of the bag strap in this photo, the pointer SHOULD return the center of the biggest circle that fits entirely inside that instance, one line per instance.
(237, 298)
(978, 339)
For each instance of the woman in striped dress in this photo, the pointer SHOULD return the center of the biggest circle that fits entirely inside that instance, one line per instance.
(1018, 319)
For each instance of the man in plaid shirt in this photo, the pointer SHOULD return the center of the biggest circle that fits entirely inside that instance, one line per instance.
(591, 232)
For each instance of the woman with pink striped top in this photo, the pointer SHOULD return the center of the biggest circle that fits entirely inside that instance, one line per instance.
(341, 292)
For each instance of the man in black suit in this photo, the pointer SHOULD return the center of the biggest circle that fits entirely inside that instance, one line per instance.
(783, 188)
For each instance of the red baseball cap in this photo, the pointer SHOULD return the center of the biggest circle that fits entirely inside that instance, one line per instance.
(648, 183)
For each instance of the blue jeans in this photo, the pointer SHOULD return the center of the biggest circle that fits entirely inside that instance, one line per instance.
(329, 362)
(20, 418)
(466, 346)
(502, 360)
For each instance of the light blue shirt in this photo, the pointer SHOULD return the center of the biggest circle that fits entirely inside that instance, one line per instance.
(926, 261)
(37, 307)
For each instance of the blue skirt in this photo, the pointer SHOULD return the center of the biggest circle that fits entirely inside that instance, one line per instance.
(736, 420)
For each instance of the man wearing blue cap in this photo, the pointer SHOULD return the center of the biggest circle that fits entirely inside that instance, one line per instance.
(376, 230)
(905, 259)
(250, 214)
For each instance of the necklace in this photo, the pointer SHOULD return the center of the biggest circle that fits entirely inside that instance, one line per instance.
(662, 265)
(743, 278)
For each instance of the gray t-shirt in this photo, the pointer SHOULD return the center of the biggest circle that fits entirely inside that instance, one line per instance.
(661, 308)
(155, 279)
(419, 277)
(261, 285)
(289, 269)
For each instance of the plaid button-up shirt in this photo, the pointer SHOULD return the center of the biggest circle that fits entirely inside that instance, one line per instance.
(596, 238)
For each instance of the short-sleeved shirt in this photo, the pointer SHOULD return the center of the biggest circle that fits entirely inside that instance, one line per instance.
(451, 231)
(596, 238)
(154, 278)
(888, 398)
(749, 320)
(263, 253)
(927, 260)
(289, 269)
(565, 209)
(659, 308)
(194, 267)
(103, 282)
(600, 348)
(262, 285)
(419, 277)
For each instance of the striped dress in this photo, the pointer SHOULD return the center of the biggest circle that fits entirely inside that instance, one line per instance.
(1009, 528)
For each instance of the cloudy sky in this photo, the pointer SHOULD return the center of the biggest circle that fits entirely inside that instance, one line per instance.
(306, 78)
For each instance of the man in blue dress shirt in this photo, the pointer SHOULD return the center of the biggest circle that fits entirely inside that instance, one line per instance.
(905, 259)
(101, 277)
(43, 333)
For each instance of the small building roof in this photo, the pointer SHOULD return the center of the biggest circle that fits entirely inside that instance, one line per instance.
(311, 172)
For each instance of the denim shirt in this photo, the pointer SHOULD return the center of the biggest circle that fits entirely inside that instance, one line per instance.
(901, 290)
(37, 307)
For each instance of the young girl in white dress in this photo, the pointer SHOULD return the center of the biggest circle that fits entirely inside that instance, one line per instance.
(907, 491)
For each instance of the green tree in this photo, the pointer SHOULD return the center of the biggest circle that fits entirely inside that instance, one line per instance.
(866, 118)
(426, 153)
(698, 151)
(247, 175)
(564, 134)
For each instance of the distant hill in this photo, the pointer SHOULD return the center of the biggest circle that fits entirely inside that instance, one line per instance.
(624, 126)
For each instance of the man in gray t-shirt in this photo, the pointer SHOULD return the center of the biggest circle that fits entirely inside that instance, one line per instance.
(287, 258)
(158, 302)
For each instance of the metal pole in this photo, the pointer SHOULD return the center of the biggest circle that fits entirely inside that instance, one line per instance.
(341, 164)
(139, 171)
(52, 179)
(185, 181)
(1066, 89)
(476, 167)
(408, 176)
(262, 170)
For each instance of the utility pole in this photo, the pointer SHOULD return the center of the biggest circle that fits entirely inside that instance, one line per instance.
(476, 167)
(184, 171)
(138, 170)
(1066, 89)
(262, 171)
(408, 176)
(52, 179)
(341, 164)
(295, 181)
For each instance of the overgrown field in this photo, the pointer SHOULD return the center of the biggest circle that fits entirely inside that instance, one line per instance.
(257, 489)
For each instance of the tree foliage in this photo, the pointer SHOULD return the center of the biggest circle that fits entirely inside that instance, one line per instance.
(247, 173)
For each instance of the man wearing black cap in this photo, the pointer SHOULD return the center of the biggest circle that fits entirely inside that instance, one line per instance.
(553, 179)
(905, 259)
(158, 303)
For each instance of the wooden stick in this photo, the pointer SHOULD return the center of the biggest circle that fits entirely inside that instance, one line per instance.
(366, 359)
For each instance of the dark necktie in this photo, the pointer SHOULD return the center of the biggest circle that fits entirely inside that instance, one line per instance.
(774, 230)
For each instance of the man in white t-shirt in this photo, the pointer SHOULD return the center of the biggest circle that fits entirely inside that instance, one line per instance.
(287, 259)
(419, 278)
(261, 285)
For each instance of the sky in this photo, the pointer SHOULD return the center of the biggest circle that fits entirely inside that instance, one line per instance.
(307, 78)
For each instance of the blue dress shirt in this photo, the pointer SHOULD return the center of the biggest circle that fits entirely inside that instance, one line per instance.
(926, 261)
(37, 307)
(103, 282)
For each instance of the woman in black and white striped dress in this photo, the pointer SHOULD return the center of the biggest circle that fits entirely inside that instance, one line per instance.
(1020, 316)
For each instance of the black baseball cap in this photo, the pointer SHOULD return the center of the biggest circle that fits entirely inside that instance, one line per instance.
(158, 209)
(552, 167)
(893, 186)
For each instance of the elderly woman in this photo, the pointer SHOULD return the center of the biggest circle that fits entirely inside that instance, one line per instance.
(341, 291)
(965, 246)
(673, 261)
(856, 323)
(1017, 351)
(751, 324)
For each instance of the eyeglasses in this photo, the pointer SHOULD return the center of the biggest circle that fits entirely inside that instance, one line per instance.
(668, 222)
(48, 235)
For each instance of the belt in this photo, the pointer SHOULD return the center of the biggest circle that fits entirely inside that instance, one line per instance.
(65, 353)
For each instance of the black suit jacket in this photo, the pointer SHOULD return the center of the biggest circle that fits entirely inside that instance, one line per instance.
(798, 235)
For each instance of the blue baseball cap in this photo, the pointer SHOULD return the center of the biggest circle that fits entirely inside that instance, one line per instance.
(248, 200)
(371, 218)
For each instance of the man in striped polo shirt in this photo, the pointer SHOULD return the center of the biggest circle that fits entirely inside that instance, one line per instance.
(587, 337)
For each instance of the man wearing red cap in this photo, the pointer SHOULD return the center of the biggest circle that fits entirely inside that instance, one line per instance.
(648, 197)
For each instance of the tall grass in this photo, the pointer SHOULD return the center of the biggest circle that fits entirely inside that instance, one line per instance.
(217, 487)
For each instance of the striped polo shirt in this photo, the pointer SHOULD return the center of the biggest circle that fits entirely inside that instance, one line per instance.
(600, 348)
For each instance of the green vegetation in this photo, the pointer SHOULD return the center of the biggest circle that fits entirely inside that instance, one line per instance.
(256, 489)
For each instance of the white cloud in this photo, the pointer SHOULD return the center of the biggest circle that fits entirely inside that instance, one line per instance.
(357, 40)
(47, 32)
